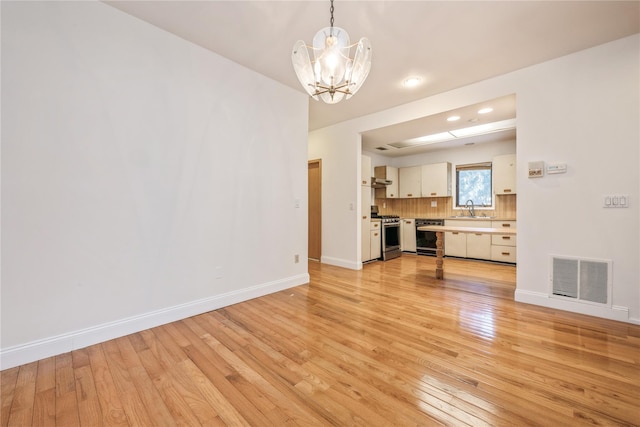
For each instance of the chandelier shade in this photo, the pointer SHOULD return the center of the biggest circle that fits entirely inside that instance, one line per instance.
(326, 70)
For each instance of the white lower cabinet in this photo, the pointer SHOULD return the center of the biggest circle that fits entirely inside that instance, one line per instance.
(365, 224)
(376, 239)
(467, 245)
(503, 248)
(455, 244)
(408, 235)
(503, 253)
(479, 245)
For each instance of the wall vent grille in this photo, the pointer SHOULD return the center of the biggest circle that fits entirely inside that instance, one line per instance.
(584, 280)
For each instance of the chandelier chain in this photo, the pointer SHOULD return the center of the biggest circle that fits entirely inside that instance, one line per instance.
(331, 10)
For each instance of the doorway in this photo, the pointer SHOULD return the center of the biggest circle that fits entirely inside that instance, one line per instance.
(315, 209)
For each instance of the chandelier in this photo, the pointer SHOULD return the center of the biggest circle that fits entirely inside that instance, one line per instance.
(333, 74)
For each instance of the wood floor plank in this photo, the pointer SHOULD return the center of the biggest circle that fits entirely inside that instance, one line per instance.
(23, 396)
(146, 391)
(106, 390)
(134, 408)
(385, 346)
(44, 407)
(66, 398)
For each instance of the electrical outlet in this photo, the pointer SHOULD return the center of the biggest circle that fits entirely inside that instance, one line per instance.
(296, 258)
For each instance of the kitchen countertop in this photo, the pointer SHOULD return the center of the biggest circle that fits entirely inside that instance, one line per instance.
(480, 218)
(479, 230)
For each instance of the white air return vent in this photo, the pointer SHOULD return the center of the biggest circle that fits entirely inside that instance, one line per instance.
(385, 147)
(404, 144)
(584, 280)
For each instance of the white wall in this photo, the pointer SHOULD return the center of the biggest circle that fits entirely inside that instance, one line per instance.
(582, 109)
(144, 179)
(339, 151)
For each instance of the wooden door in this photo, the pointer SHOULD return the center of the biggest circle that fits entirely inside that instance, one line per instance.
(315, 209)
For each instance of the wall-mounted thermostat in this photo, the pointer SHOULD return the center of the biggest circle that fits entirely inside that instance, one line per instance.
(536, 169)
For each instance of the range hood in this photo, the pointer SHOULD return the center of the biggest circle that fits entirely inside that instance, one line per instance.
(380, 182)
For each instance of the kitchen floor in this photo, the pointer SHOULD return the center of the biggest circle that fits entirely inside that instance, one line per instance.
(482, 277)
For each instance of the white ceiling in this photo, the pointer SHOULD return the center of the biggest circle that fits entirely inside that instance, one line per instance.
(448, 43)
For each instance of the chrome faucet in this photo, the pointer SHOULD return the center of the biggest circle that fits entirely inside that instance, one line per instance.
(472, 209)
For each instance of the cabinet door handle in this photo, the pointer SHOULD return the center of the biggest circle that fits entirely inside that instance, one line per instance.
(454, 232)
(364, 217)
(409, 195)
(506, 253)
(376, 224)
(364, 182)
(506, 237)
(375, 234)
(433, 194)
(507, 190)
(478, 234)
(391, 195)
(506, 225)
(407, 222)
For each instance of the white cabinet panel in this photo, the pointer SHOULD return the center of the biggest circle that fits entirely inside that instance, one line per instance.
(410, 181)
(376, 242)
(503, 253)
(504, 174)
(408, 235)
(366, 170)
(436, 180)
(455, 244)
(365, 224)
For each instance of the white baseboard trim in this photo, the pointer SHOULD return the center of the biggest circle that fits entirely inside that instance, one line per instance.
(338, 262)
(52, 346)
(615, 312)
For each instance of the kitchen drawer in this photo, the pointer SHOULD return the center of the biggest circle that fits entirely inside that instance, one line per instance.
(499, 240)
(503, 253)
(503, 224)
(376, 224)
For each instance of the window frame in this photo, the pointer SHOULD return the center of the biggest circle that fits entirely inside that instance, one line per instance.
(474, 166)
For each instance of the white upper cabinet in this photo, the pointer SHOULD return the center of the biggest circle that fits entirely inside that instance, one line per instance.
(436, 180)
(504, 174)
(366, 171)
(410, 181)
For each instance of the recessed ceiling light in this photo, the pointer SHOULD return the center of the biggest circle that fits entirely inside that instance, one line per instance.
(485, 110)
(453, 118)
(412, 81)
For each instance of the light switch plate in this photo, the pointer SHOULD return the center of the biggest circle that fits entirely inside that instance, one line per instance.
(615, 201)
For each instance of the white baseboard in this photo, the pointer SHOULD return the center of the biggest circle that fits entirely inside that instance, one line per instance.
(338, 262)
(52, 346)
(539, 298)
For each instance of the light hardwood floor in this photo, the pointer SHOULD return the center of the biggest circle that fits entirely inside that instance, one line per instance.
(385, 346)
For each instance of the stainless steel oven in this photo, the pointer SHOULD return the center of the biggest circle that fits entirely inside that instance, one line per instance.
(426, 240)
(390, 237)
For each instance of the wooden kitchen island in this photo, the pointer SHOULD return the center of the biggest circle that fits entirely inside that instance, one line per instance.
(441, 229)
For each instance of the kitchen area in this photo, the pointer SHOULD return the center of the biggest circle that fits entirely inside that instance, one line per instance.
(452, 169)
(398, 201)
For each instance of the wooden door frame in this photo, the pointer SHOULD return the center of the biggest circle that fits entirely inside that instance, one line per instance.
(309, 163)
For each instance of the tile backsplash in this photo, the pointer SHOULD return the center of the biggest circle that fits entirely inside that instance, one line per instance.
(505, 207)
